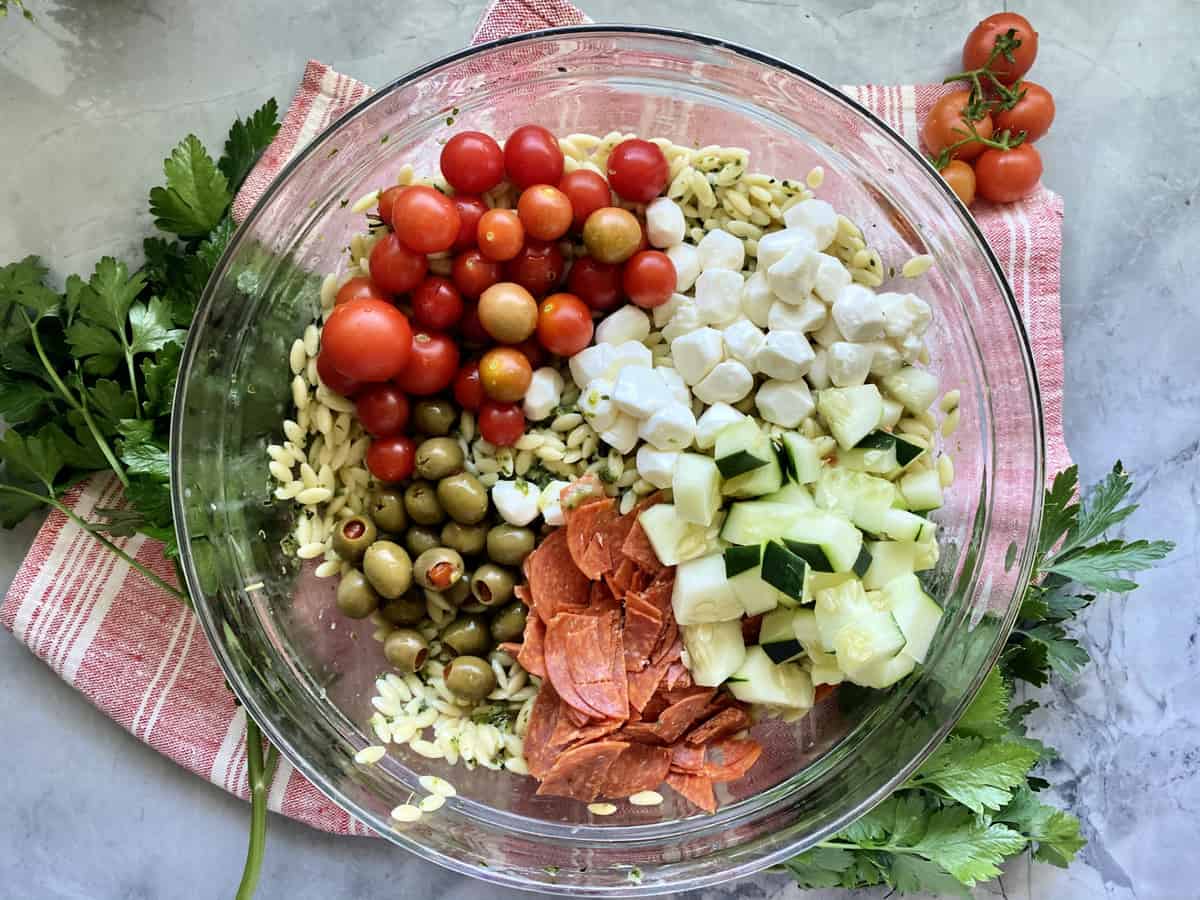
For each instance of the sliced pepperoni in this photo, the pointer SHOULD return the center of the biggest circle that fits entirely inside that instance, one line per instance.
(602, 599)
(620, 579)
(567, 732)
(640, 767)
(532, 655)
(725, 723)
(585, 663)
(582, 772)
(540, 752)
(637, 547)
(737, 756)
(677, 677)
(584, 525)
(555, 582)
(696, 789)
(643, 624)
(523, 593)
(680, 716)
(687, 759)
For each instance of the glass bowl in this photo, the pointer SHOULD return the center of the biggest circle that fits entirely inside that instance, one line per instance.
(307, 676)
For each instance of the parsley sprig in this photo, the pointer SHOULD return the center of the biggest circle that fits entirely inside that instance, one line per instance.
(974, 803)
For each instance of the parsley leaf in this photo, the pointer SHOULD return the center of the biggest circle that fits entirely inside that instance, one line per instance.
(1102, 510)
(1058, 511)
(913, 875)
(1055, 832)
(246, 142)
(151, 326)
(159, 374)
(35, 457)
(1063, 654)
(196, 194)
(987, 716)
(967, 846)
(141, 452)
(978, 774)
(22, 286)
(820, 867)
(1096, 566)
(21, 402)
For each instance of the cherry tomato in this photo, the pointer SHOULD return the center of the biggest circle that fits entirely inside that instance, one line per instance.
(382, 409)
(505, 374)
(982, 39)
(597, 284)
(437, 304)
(564, 324)
(538, 267)
(358, 289)
(649, 278)
(1003, 176)
(472, 162)
(500, 234)
(425, 220)
(508, 312)
(545, 212)
(612, 234)
(532, 156)
(1033, 113)
(638, 170)
(367, 340)
(474, 273)
(945, 126)
(470, 209)
(394, 267)
(587, 191)
(961, 178)
(432, 365)
(532, 349)
(468, 389)
(392, 459)
(387, 199)
(335, 380)
(501, 424)
(471, 328)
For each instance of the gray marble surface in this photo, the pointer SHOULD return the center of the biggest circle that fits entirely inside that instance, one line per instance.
(93, 95)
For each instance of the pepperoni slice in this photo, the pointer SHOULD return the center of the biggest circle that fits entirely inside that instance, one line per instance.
(696, 789)
(737, 756)
(585, 663)
(643, 624)
(637, 547)
(540, 753)
(688, 759)
(725, 723)
(555, 582)
(640, 767)
(582, 772)
(532, 655)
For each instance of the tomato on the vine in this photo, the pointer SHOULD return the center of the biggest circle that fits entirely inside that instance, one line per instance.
(437, 303)
(367, 340)
(545, 212)
(387, 198)
(425, 219)
(335, 380)
(432, 364)
(1032, 114)
(597, 284)
(649, 278)
(468, 389)
(538, 267)
(505, 374)
(394, 267)
(470, 209)
(961, 178)
(945, 126)
(474, 273)
(564, 324)
(500, 234)
(472, 162)
(587, 191)
(532, 156)
(392, 459)
(638, 170)
(359, 288)
(382, 409)
(501, 424)
(982, 39)
(1003, 176)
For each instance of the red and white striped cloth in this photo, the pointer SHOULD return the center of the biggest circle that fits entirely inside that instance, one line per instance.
(136, 652)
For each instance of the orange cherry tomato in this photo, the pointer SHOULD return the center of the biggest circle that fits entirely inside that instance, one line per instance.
(961, 178)
(545, 211)
(564, 324)
(505, 374)
(425, 220)
(500, 234)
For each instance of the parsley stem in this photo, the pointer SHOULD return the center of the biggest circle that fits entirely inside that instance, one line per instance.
(259, 775)
(137, 406)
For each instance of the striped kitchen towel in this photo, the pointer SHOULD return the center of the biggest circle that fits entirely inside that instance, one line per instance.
(137, 653)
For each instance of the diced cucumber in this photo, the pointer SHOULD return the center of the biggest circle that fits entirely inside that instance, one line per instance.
(755, 521)
(823, 668)
(702, 593)
(906, 450)
(715, 651)
(921, 489)
(927, 555)
(861, 498)
(765, 479)
(915, 388)
(818, 581)
(805, 630)
(783, 569)
(915, 613)
(883, 673)
(893, 410)
(851, 412)
(862, 563)
(755, 595)
(901, 525)
(803, 461)
(759, 680)
(874, 462)
(739, 448)
(866, 640)
(793, 494)
(838, 539)
(840, 606)
(777, 636)
(739, 559)
(697, 488)
(812, 554)
(890, 559)
(741, 435)
(666, 531)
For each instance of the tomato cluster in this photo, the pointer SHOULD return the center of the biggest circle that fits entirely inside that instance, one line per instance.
(982, 138)
(504, 294)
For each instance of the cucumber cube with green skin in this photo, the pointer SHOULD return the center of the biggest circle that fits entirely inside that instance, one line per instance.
(760, 480)
(890, 559)
(850, 412)
(758, 680)
(881, 674)
(915, 613)
(783, 569)
(696, 485)
(739, 559)
(838, 539)
(702, 594)
(666, 531)
(840, 606)
(777, 636)
(793, 494)
(755, 521)
(915, 388)
(803, 461)
(715, 651)
(921, 489)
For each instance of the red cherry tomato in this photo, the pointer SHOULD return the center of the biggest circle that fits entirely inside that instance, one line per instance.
(1033, 113)
(437, 304)
(382, 409)
(472, 162)
(638, 170)
(471, 327)
(545, 212)
(1003, 176)
(982, 40)
(501, 424)
(392, 459)
(468, 388)
(335, 380)
(538, 267)
(394, 267)
(474, 273)
(533, 351)
(532, 156)
(597, 284)
(387, 199)
(367, 340)
(587, 191)
(649, 278)
(425, 220)
(564, 324)
(469, 211)
(500, 234)
(359, 289)
(432, 364)
(945, 126)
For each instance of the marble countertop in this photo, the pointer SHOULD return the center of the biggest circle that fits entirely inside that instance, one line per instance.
(94, 94)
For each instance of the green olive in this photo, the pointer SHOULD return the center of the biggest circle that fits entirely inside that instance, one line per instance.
(438, 569)
(418, 539)
(406, 610)
(463, 498)
(422, 503)
(387, 509)
(492, 585)
(388, 568)
(470, 678)
(353, 536)
(406, 649)
(435, 416)
(508, 545)
(355, 596)
(508, 623)
(467, 635)
(466, 539)
(438, 457)
(457, 594)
